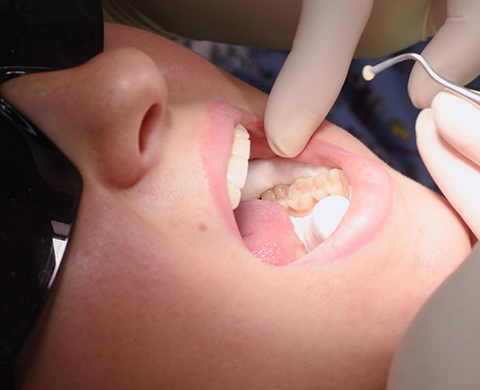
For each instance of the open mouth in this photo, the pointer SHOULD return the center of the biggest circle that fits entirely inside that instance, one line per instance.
(324, 204)
(287, 209)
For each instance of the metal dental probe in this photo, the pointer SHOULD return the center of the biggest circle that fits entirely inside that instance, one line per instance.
(369, 72)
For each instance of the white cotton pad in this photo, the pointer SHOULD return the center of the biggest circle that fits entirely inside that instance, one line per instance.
(323, 221)
(299, 227)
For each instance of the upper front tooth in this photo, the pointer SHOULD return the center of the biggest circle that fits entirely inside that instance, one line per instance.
(238, 164)
(237, 171)
(241, 147)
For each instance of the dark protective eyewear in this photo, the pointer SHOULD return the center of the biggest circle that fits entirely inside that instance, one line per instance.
(39, 187)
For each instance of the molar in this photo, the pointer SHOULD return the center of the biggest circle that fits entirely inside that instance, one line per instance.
(337, 183)
(305, 192)
(300, 194)
(267, 174)
(316, 201)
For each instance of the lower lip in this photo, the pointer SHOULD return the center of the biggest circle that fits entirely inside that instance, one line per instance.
(370, 205)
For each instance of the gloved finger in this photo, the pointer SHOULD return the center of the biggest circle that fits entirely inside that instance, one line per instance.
(458, 122)
(456, 176)
(454, 51)
(314, 72)
(440, 348)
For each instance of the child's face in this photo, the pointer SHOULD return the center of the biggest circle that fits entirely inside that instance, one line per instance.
(159, 291)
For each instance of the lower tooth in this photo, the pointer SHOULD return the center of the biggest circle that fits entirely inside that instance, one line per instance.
(281, 191)
(322, 222)
(300, 194)
(320, 193)
(337, 183)
(269, 196)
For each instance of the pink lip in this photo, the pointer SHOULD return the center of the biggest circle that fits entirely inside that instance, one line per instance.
(372, 191)
(370, 205)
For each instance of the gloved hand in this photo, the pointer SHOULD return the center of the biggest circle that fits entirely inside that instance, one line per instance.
(330, 32)
(448, 138)
(441, 348)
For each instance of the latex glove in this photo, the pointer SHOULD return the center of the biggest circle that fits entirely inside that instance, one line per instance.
(325, 42)
(448, 138)
(314, 71)
(441, 348)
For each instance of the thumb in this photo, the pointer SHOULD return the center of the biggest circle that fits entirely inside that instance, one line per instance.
(454, 52)
(314, 71)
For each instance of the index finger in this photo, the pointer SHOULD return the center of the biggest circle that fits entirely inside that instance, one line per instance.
(314, 72)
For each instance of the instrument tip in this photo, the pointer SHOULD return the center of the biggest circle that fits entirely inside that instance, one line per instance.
(367, 73)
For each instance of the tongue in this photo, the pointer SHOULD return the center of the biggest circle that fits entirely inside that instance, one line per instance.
(268, 232)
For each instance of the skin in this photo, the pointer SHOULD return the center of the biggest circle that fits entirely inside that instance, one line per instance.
(158, 291)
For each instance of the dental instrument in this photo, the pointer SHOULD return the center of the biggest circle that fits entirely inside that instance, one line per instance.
(369, 72)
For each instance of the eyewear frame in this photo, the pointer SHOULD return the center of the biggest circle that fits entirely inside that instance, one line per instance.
(40, 188)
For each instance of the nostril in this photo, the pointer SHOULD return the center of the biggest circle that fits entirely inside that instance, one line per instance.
(150, 120)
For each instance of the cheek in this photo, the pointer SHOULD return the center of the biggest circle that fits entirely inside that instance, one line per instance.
(141, 317)
(425, 242)
(175, 196)
(438, 236)
(122, 299)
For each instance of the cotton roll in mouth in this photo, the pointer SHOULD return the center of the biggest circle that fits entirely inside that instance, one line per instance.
(322, 222)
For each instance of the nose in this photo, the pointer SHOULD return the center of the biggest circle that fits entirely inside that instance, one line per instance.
(101, 114)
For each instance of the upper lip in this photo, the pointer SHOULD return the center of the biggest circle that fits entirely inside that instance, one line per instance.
(371, 184)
